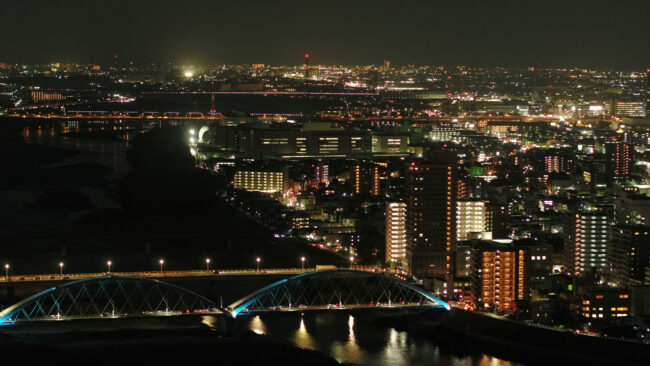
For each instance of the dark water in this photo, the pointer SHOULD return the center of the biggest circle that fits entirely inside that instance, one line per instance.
(107, 152)
(351, 339)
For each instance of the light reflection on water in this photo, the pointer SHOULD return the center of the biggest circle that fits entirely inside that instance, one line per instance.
(349, 339)
(210, 321)
(257, 325)
(302, 338)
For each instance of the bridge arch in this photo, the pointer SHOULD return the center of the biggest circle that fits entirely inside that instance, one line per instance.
(107, 296)
(335, 288)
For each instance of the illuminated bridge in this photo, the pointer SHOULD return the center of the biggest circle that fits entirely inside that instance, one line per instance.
(118, 297)
(335, 289)
(107, 297)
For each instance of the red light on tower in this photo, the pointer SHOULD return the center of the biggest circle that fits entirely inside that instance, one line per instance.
(306, 65)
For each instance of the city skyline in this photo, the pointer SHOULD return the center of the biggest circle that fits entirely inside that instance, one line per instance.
(325, 182)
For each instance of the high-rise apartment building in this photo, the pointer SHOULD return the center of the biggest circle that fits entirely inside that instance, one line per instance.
(322, 172)
(555, 163)
(632, 210)
(629, 254)
(619, 159)
(396, 234)
(499, 274)
(586, 242)
(366, 179)
(471, 217)
(432, 189)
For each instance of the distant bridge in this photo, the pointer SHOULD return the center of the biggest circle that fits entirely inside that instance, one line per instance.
(118, 297)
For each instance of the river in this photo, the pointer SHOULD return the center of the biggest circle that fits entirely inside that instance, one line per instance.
(351, 339)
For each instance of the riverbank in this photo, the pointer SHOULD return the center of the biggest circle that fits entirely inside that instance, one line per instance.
(518, 342)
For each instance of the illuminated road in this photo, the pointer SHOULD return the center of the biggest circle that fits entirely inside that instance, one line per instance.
(164, 273)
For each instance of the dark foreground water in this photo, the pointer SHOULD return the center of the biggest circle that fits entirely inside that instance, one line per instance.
(357, 340)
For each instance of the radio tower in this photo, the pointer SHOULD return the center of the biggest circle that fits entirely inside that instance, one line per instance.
(213, 111)
(307, 65)
(115, 60)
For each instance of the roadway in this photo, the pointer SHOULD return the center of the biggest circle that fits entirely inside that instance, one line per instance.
(167, 274)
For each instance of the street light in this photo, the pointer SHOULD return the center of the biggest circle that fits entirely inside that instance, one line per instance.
(207, 264)
(109, 266)
(302, 263)
(6, 272)
(61, 269)
(161, 265)
(258, 263)
(351, 260)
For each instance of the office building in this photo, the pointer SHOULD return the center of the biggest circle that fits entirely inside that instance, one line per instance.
(261, 181)
(628, 108)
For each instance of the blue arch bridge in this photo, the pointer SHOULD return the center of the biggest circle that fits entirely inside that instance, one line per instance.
(117, 297)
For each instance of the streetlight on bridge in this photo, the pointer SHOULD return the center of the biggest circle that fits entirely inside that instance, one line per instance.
(61, 269)
(207, 264)
(302, 263)
(7, 272)
(258, 259)
(351, 261)
(161, 265)
(109, 266)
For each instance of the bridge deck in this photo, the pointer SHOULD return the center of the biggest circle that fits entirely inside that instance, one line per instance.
(165, 274)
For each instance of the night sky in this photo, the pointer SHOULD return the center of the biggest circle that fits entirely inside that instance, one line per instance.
(602, 34)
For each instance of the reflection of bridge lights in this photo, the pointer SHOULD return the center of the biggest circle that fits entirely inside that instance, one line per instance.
(351, 328)
(257, 325)
(302, 338)
(209, 320)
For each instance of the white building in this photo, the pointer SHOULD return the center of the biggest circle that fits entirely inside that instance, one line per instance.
(471, 217)
(396, 233)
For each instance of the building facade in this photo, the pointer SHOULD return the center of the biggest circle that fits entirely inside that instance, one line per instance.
(396, 234)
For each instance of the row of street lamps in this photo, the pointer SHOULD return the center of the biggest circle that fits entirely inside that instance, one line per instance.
(162, 262)
(7, 270)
